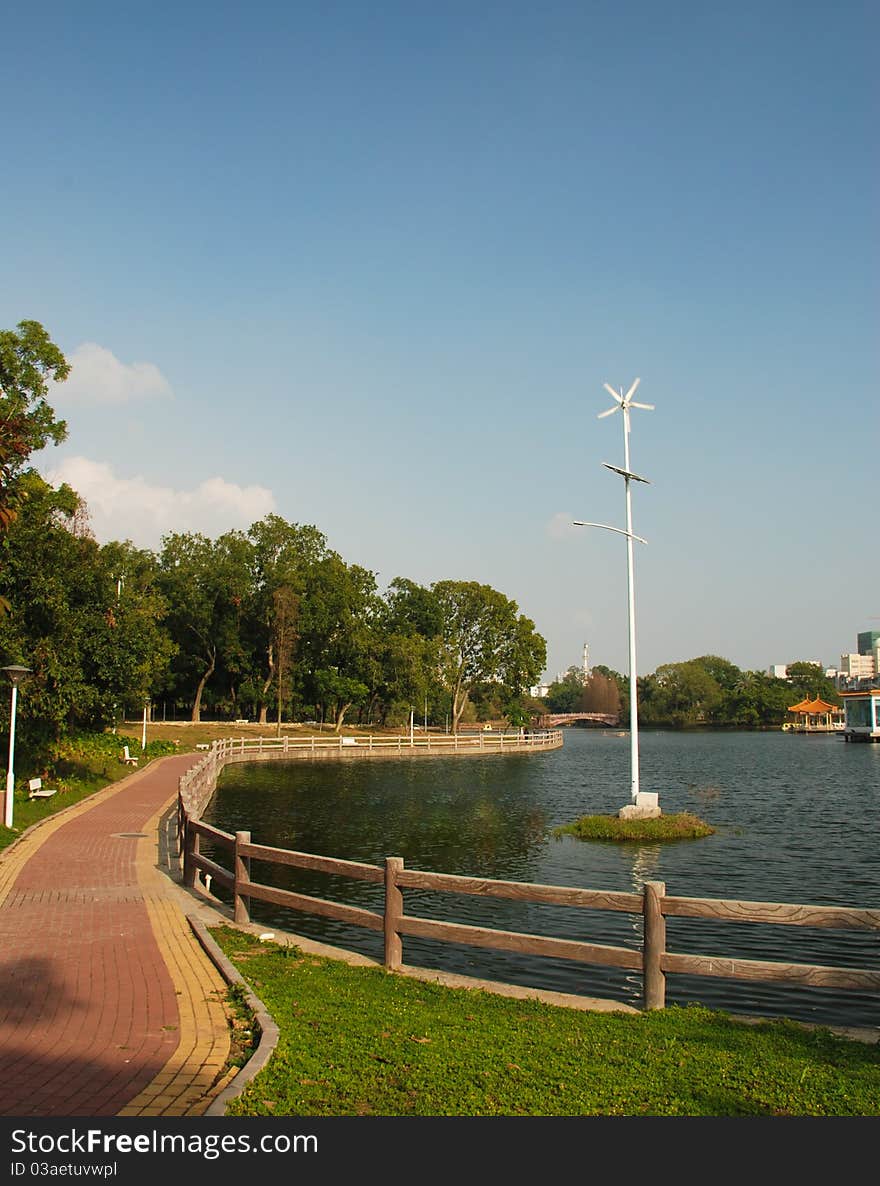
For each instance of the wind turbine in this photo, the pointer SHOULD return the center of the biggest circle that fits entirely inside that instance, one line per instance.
(624, 403)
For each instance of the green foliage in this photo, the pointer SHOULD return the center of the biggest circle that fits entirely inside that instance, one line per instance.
(76, 766)
(360, 1041)
(29, 360)
(483, 638)
(713, 691)
(679, 693)
(682, 826)
(565, 694)
(91, 648)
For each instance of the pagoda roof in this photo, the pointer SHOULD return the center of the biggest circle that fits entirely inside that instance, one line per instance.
(812, 706)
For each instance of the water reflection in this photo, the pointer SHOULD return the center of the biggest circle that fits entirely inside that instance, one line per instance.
(796, 820)
(642, 862)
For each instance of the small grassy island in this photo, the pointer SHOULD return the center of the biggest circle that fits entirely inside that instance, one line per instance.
(682, 826)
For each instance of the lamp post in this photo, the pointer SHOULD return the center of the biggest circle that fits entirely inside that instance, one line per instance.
(645, 802)
(16, 674)
(144, 733)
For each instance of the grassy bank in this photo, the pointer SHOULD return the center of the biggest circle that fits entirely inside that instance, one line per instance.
(358, 1041)
(186, 735)
(77, 768)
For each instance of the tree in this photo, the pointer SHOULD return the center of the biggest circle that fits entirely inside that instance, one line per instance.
(678, 693)
(725, 674)
(29, 359)
(483, 638)
(285, 605)
(282, 556)
(339, 639)
(565, 694)
(621, 682)
(812, 680)
(600, 694)
(91, 646)
(203, 582)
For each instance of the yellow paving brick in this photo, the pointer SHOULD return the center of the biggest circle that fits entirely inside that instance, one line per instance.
(195, 1069)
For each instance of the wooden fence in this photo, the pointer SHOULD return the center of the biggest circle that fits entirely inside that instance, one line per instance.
(653, 904)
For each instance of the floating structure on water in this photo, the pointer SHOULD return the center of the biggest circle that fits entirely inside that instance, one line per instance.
(862, 715)
(815, 716)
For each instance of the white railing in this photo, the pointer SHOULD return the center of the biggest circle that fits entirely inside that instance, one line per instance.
(426, 742)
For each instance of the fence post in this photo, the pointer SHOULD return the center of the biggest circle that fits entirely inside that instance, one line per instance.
(190, 849)
(393, 914)
(181, 825)
(654, 945)
(242, 870)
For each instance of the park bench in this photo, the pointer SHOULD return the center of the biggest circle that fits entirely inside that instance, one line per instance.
(127, 758)
(36, 790)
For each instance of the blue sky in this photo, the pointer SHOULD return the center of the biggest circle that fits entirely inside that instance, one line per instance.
(369, 266)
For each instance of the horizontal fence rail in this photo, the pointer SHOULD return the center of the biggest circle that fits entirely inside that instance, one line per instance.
(653, 960)
(439, 743)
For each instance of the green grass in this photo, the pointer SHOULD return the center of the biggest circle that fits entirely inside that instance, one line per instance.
(79, 766)
(360, 1041)
(682, 826)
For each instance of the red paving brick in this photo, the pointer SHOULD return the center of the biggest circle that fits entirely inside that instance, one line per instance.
(88, 1010)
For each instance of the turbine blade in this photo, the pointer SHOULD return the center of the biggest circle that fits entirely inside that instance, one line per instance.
(611, 391)
(632, 391)
(607, 412)
(647, 407)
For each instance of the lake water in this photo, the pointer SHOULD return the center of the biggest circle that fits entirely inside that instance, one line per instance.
(796, 820)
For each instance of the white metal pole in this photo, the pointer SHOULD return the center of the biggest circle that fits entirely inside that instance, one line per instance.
(633, 674)
(411, 719)
(144, 734)
(10, 773)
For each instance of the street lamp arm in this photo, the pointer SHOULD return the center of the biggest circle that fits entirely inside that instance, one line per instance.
(605, 527)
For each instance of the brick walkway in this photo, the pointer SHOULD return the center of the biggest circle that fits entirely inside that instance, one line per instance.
(108, 1005)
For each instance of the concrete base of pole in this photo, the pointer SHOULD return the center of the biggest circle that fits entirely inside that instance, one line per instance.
(646, 806)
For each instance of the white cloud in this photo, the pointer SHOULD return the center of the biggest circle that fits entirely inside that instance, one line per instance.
(98, 377)
(133, 508)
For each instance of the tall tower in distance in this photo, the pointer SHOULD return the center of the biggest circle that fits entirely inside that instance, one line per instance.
(586, 661)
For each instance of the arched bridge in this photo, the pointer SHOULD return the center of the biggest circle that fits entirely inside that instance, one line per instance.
(553, 720)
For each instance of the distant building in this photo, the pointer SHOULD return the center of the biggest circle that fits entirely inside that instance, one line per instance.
(539, 691)
(857, 667)
(778, 671)
(863, 667)
(868, 641)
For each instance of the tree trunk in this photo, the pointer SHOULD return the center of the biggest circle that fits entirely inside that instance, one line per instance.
(458, 707)
(264, 708)
(340, 715)
(197, 703)
(459, 703)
